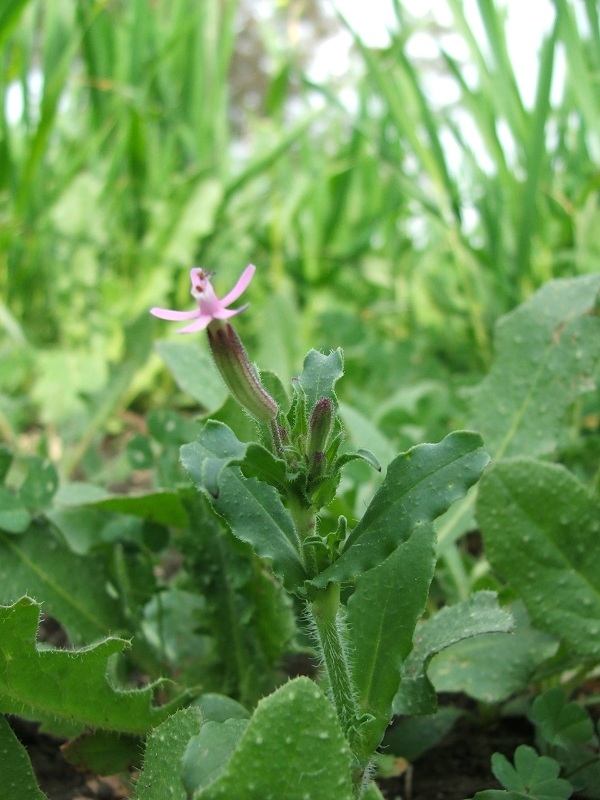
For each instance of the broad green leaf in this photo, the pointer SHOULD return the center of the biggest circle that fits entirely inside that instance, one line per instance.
(419, 486)
(252, 509)
(493, 667)
(546, 353)
(319, 375)
(164, 508)
(69, 685)
(219, 707)
(14, 516)
(541, 527)
(83, 525)
(161, 775)
(382, 614)
(479, 614)
(209, 752)
(195, 373)
(292, 748)
(72, 587)
(217, 448)
(18, 780)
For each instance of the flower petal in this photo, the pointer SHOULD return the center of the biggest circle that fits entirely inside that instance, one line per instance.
(225, 313)
(174, 316)
(198, 325)
(240, 286)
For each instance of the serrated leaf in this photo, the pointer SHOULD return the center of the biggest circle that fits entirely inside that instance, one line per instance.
(252, 509)
(492, 667)
(479, 614)
(293, 747)
(161, 775)
(561, 722)
(194, 371)
(73, 587)
(420, 485)
(70, 685)
(382, 614)
(540, 527)
(18, 779)
(319, 375)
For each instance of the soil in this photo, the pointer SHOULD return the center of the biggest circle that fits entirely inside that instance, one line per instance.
(454, 770)
(460, 766)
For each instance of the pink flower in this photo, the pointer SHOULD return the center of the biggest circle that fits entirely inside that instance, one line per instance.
(209, 305)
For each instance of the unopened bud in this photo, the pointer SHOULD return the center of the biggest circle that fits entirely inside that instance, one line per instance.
(242, 381)
(320, 426)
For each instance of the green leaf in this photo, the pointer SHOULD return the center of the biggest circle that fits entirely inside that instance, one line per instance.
(319, 376)
(40, 485)
(561, 722)
(194, 371)
(69, 685)
(479, 614)
(163, 508)
(219, 707)
(73, 587)
(546, 353)
(492, 667)
(208, 753)
(14, 516)
(410, 737)
(6, 459)
(9, 14)
(217, 448)
(382, 614)
(252, 509)
(103, 752)
(419, 486)
(540, 527)
(18, 780)
(293, 747)
(533, 776)
(161, 775)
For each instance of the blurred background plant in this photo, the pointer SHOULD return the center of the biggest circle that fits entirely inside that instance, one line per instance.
(138, 139)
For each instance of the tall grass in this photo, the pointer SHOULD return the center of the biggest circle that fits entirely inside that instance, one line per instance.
(409, 217)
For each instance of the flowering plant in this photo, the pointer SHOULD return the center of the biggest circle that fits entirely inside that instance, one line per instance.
(279, 549)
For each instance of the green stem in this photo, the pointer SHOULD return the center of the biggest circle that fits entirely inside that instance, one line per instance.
(305, 523)
(332, 638)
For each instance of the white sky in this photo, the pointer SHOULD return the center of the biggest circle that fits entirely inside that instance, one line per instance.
(527, 22)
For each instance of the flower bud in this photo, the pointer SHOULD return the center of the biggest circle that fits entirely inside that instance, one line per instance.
(320, 426)
(242, 381)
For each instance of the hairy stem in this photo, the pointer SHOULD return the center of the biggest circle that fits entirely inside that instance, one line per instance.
(332, 637)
